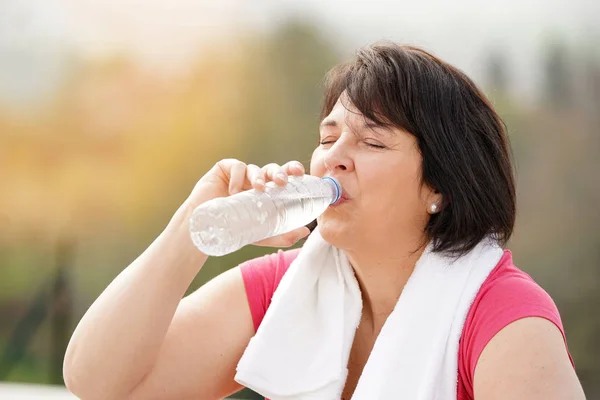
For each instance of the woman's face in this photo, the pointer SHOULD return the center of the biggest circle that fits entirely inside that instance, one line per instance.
(379, 169)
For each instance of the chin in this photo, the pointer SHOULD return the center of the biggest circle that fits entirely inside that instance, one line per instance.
(334, 232)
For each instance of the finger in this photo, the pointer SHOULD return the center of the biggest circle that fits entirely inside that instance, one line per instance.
(255, 176)
(276, 173)
(287, 239)
(292, 237)
(237, 176)
(301, 233)
(294, 168)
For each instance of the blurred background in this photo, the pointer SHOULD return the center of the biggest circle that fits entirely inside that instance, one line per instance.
(110, 111)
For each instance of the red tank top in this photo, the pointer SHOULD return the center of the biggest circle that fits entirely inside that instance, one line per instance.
(508, 294)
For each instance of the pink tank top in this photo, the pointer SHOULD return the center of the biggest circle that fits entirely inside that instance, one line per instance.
(508, 294)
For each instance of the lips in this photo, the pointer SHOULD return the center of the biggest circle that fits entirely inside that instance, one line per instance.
(343, 198)
(344, 195)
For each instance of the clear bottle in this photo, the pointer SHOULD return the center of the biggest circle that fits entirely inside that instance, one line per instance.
(226, 224)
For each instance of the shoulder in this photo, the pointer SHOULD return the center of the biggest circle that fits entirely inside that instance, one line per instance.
(266, 271)
(527, 359)
(261, 277)
(507, 295)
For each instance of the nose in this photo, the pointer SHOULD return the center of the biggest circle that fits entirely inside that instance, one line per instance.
(338, 158)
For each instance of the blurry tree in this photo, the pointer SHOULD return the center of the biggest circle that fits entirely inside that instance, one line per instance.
(283, 79)
(591, 87)
(557, 74)
(497, 72)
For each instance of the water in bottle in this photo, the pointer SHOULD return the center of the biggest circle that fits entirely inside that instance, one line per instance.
(226, 224)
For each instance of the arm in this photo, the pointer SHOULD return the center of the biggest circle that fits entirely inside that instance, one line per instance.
(140, 340)
(526, 360)
(209, 333)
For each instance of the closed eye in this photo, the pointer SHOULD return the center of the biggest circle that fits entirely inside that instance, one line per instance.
(375, 146)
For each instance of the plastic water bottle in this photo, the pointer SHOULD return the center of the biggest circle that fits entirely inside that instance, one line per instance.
(226, 224)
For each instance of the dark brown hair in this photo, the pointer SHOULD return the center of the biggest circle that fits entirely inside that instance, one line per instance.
(463, 142)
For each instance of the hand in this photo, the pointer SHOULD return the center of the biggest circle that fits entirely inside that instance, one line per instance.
(231, 176)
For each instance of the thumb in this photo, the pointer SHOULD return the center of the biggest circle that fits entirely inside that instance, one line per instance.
(302, 233)
(294, 236)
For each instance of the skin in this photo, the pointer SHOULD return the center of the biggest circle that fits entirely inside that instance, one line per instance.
(188, 348)
(380, 226)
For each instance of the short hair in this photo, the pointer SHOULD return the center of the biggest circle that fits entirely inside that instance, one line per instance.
(463, 142)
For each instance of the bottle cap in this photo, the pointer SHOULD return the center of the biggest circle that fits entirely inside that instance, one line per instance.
(337, 186)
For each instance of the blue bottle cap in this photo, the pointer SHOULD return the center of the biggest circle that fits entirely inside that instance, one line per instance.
(338, 188)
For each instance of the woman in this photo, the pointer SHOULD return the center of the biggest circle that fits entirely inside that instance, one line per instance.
(423, 159)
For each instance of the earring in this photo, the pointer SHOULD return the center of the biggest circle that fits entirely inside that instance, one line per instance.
(433, 208)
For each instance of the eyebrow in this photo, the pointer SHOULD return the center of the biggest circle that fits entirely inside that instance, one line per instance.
(328, 122)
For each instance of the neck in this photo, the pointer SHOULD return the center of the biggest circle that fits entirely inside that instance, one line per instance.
(382, 276)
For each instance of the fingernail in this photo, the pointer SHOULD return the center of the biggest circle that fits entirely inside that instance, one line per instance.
(260, 181)
(281, 176)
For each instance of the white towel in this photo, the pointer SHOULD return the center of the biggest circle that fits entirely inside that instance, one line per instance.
(302, 346)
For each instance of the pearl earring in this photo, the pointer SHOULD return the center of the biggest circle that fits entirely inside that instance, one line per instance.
(433, 208)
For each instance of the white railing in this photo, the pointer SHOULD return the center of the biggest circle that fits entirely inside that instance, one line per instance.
(18, 391)
(21, 391)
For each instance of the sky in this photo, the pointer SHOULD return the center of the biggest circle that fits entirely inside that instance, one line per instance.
(38, 37)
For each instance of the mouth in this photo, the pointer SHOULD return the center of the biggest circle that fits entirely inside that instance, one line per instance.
(343, 199)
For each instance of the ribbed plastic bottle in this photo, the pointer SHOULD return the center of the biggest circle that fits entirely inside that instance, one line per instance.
(223, 225)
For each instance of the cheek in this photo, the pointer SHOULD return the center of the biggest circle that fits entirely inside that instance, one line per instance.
(395, 188)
